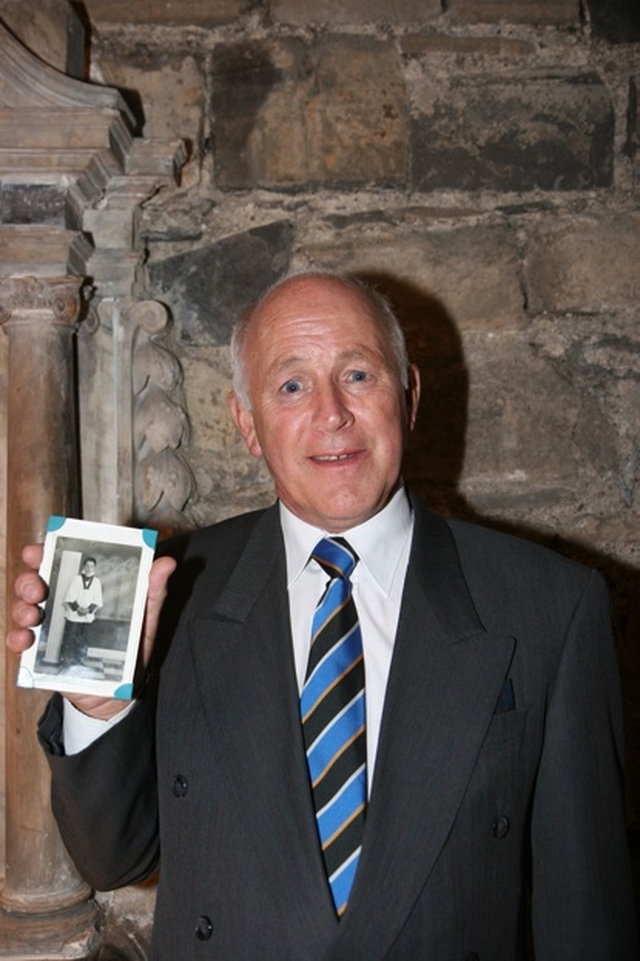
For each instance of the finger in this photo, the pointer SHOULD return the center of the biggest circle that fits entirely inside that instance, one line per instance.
(32, 555)
(25, 615)
(29, 587)
(20, 639)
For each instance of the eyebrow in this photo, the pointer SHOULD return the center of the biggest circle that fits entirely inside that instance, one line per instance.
(282, 366)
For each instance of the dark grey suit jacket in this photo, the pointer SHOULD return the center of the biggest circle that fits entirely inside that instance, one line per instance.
(496, 795)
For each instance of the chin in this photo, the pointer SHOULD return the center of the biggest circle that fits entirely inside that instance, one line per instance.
(349, 517)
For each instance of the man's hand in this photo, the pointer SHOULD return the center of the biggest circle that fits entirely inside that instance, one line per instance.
(30, 591)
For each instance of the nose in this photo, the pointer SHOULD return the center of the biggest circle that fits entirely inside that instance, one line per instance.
(333, 411)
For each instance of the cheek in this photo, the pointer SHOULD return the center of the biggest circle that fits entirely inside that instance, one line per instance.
(275, 433)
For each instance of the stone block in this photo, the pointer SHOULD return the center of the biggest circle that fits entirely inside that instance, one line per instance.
(110, 229)
(599, 356)
(583, 264)
(202, 13)
(33, 204)
(521, 11)
(166, 90)
(38, 250)
(206, 289)
(528, 426)
(535, 131)
(288, 114)
(356, 11)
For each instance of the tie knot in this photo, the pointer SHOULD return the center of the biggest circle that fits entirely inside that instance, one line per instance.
(335, 556)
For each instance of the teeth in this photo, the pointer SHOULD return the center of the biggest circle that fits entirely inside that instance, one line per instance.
(333, 457)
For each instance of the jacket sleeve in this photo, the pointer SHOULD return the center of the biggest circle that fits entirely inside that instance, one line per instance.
(104, 798)
(582, 893)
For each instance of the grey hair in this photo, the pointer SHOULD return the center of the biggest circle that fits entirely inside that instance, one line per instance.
(380, 308)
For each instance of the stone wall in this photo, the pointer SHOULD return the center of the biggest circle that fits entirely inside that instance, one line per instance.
(478, 160)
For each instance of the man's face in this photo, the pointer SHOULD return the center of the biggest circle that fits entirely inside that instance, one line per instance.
(328, 411)
(89, 568)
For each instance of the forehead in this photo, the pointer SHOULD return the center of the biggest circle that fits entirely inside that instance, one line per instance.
(315, 308)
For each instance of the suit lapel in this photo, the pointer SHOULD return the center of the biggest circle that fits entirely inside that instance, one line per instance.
(445, 678)
(250, 697)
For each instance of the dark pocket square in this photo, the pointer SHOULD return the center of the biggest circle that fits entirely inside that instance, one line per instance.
(506, 700)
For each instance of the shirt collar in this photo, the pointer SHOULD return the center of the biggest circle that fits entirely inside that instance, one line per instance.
(379, 542)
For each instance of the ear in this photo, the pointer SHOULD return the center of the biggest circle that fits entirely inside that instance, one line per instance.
(413, 395)
(243, 419)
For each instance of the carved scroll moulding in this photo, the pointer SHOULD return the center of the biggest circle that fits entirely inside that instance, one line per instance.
(163, 479)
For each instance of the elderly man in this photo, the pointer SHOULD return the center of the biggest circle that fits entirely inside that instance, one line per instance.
(368, 732)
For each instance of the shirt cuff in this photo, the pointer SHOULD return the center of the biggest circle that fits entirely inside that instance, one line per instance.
(79, 730)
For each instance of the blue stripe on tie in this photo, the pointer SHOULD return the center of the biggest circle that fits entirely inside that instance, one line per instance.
(333, 665)
(335, 736)
(331, 606)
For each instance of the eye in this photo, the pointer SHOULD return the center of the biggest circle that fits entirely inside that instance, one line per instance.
(358, 375)
(291, 387)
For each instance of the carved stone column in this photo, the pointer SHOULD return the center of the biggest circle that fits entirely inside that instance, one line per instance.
(46, 909)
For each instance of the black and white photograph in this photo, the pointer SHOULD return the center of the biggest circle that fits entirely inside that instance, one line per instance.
(90, 631)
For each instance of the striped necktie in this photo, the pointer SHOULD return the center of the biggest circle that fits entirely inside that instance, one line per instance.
(333, 720)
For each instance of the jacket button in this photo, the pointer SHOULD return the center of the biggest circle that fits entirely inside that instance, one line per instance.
(204, 928)
(501, 827)
(180, 786)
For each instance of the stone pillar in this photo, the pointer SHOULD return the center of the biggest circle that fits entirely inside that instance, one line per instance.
(45, 907)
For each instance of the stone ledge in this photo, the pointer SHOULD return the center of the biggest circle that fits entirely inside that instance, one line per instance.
(524, 11)
(353, 11)
(420, 44)
(201, 13)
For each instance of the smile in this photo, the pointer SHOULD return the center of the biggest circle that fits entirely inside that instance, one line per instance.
(331, 457)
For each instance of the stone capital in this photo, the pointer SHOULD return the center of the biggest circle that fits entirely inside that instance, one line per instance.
(57, 299)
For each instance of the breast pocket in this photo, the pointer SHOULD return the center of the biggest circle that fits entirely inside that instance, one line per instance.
(502, 765)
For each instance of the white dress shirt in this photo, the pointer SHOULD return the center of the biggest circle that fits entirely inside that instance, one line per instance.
(382, 544)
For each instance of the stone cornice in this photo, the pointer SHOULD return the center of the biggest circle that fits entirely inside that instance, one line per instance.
(55, 129)
(26, 81)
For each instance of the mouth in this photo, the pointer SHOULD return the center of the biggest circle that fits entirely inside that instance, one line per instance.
(333, 458)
